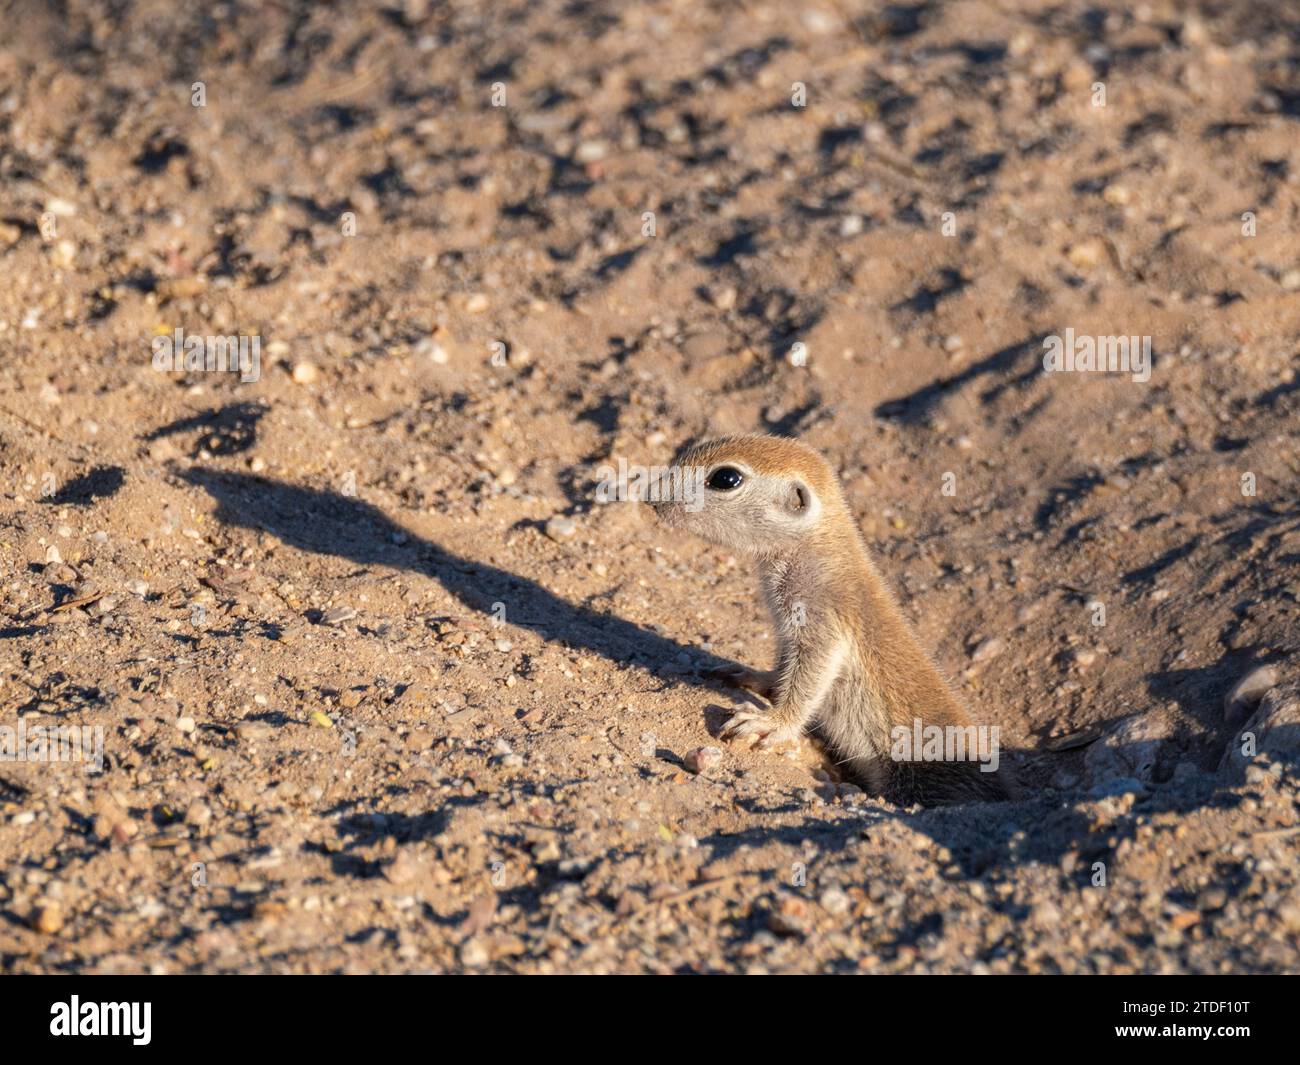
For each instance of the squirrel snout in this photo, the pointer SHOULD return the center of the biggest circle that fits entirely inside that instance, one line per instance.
(665, 510)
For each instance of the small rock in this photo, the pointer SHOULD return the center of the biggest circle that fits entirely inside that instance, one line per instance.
(1116, 195)
(1084, 657)
(304, 373)
(52, 555)
(561, 529)
(474, 953)
(988, 649)
(835, 901)
(103, 607)
(47, 918)
(85, 591)
(1086, 254)
(198, 814)
(789, 917)
(706, 344)
(429, 348)
(251, 731)
(404, 869)
(476, 304)
(180, 288)
(1272, 731)
(723, 297)
(337, 615)
(1248, 691)
(186, 725)
(480, 916)
(703, 759)
(1193, 32)
(1127, 749)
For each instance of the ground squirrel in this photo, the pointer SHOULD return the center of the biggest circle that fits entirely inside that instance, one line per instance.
(847, 660)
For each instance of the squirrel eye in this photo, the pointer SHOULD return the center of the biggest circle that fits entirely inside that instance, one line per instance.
(725, 479)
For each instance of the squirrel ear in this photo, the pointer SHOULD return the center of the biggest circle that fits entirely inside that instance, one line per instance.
(797, 498)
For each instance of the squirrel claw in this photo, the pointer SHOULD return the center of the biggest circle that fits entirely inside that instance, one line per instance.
(758, 729)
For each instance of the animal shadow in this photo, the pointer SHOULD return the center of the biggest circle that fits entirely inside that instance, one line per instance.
(326, 523)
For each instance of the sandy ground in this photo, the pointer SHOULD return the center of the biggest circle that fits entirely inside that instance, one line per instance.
(380, 687)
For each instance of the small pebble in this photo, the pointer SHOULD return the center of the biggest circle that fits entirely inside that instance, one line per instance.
(834, 901)
(988, 649)
(474, 953)
(789, 918)
(1086, 254)
(48, 918)
(723, 298)
(1247, 693)
(703, 759)
(560, 529)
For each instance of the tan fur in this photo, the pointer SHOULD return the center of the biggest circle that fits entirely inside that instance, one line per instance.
(847, 660)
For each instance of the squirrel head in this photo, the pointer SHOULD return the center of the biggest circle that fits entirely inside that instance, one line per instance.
(761, 495)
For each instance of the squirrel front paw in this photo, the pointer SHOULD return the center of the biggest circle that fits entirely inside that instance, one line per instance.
(758, 730)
